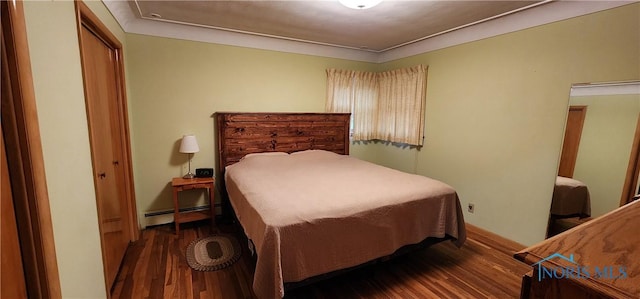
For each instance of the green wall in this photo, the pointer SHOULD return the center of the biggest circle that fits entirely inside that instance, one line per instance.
(496, 110)
(176, 86)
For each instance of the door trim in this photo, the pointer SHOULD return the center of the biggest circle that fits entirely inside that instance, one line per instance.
(569, 152)
(26, 162)
(87, 18)
(633, 170)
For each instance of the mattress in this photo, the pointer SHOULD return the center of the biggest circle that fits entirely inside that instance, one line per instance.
(570, 198)
(313, 212)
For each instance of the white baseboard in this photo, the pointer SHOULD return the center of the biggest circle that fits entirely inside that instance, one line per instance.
(160, 217)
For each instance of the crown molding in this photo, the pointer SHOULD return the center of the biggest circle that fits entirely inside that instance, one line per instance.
(543, 14)
(131, 24)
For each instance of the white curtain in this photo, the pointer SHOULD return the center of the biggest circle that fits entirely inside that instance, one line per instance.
(386, 106)
(401, 105)
(365, 105)
(339, 91)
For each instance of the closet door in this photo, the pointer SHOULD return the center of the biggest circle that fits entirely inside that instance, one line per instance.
(101, 97)
(106, 115)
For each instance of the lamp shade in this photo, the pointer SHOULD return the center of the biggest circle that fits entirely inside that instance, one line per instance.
(189, 144)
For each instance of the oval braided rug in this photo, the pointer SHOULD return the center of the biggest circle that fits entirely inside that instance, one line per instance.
(213, 252)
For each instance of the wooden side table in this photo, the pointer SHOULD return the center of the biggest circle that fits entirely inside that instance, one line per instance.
(180, 184)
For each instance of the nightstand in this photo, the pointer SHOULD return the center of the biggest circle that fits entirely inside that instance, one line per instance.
(180, 184)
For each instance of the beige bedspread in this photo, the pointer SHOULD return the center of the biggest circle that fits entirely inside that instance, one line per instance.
(570, 198)
(314, 212)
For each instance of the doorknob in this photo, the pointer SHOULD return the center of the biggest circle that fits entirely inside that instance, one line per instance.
(102, 175)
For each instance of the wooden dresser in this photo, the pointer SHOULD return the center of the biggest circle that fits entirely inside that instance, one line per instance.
(603, 255)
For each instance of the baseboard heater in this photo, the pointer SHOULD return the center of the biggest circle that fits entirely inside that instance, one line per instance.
(153, 218)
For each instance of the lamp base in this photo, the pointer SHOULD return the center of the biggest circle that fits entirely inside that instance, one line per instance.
(189, 175)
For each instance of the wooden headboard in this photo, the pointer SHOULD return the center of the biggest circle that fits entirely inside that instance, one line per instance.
(245, 133)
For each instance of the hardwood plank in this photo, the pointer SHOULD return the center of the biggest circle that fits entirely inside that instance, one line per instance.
(484, 267)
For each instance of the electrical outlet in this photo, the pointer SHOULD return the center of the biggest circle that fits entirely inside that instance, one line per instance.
(471, 208)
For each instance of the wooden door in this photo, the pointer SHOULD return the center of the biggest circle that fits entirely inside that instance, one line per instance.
(12, 278)
(572, 135)
(103, 91)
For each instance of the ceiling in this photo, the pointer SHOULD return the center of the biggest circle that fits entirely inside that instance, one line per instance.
(389, 25)
(391, 30)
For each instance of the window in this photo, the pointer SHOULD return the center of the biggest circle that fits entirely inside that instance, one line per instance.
(385, 106)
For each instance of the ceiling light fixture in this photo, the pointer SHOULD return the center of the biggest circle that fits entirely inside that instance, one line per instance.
(359, 4)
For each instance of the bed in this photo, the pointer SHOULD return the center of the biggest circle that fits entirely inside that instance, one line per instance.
(310, 209)
(570, 199)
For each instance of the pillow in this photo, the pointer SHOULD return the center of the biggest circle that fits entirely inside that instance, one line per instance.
(314, 154)
(264, 154)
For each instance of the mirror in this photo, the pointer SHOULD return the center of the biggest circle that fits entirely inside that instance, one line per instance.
(598, 169)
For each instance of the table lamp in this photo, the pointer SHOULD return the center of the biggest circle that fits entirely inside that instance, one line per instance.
(189, 146)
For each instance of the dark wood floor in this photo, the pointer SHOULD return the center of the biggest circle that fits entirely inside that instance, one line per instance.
(155, 267)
